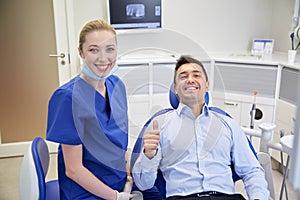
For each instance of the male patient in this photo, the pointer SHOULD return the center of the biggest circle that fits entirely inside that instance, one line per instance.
(194, 146)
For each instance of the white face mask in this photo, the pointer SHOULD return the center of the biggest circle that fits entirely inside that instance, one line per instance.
(86, 71)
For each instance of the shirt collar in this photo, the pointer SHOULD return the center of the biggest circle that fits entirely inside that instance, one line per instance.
(184, 109)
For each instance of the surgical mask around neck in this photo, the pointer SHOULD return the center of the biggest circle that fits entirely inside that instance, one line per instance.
(86, 71)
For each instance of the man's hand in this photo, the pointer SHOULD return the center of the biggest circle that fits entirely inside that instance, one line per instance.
(151, 140)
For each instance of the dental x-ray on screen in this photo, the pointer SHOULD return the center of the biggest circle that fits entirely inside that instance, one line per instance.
(138, 14)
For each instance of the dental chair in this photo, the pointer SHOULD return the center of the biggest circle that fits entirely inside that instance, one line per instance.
(34, 169)
(263, 158)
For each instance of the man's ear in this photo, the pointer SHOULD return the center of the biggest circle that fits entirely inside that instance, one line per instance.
(207, 84)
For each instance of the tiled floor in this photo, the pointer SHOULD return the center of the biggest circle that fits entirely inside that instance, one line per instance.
(9, 179)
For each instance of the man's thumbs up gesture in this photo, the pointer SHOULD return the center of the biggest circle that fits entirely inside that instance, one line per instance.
(151, 140)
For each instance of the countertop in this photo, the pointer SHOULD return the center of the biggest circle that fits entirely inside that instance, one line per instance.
(277, 58)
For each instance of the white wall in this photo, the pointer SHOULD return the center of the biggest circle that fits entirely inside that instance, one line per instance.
(281, 24)
(218, 26)
(86, 10)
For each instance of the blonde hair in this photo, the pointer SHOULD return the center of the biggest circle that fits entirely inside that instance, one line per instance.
(94, 26)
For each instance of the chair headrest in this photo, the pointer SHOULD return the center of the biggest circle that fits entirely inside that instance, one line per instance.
(174, 99)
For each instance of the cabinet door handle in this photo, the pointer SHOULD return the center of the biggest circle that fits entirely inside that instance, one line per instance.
(230, 104)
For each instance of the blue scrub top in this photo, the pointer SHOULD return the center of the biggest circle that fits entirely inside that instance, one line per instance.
(78, 114)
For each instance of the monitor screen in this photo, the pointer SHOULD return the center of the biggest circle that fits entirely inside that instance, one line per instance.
(134, 14)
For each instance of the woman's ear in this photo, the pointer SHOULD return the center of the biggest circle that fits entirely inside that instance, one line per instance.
(80, 53)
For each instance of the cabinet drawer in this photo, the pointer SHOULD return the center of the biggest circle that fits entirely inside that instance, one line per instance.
(245, 78)
(233, 108)
(289, 85)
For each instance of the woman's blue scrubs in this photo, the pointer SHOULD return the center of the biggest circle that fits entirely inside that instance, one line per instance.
(77, 114)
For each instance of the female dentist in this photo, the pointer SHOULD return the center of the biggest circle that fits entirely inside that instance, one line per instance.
(88, 117)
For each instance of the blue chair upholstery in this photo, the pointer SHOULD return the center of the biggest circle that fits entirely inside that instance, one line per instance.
(33, 173)
(174, 101)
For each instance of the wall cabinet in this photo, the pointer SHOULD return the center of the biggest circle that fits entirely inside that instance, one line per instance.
(241, 78)
(234, 85)
(233, 91)
(233, 88)
(286, 105)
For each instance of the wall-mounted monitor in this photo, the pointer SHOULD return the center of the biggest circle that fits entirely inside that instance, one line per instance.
(135, 14)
